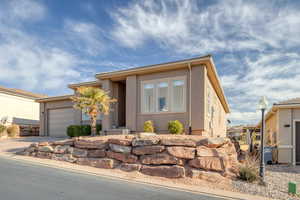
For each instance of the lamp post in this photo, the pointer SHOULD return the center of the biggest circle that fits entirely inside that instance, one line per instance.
(262, 105)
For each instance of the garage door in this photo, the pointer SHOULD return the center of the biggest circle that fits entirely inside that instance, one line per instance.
(59, 120)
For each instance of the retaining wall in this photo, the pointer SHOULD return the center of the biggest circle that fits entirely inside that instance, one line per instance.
(161, 155)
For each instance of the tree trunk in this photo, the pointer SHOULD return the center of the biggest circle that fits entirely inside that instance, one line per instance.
(93, 125)
(93, 115)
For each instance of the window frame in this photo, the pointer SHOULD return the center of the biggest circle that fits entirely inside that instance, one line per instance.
(170, 100)
(99, 117)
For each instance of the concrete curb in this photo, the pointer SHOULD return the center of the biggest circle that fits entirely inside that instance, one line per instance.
(86, 170)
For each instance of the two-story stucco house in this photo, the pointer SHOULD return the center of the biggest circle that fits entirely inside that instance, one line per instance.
(19, 106)
(187, 90)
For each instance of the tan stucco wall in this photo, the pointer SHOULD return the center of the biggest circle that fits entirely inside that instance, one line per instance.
(285, 151)
(285, 136)
(19, 110)
(135, 118)
(46, 106)
(216, 123)
(131, 102)
(161, 120)
(271, 130)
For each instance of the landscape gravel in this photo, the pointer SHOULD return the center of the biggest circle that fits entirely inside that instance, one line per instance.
(277, 179)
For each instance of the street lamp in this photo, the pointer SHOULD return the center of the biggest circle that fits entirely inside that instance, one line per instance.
(262, 105)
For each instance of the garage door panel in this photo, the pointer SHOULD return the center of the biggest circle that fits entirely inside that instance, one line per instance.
(59, 120)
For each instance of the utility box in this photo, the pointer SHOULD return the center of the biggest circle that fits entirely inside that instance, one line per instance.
(292, 188)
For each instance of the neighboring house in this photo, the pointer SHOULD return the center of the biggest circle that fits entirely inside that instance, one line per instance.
(19, 106)
(244, 133)
(283, 129)
(186, 90)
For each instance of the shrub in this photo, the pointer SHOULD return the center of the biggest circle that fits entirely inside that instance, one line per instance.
(85, 130)
(175, 127)
(248, 171)
(2, 128)
(81, 130)
(13, 130)
(73, 131)
(99, 128)
(149, 126)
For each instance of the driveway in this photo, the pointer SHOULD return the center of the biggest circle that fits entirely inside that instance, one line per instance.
(28, 181)
(13, 145)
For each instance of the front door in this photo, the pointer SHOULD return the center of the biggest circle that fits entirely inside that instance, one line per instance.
(297, 131)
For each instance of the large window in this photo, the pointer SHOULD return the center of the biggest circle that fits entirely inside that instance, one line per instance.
(85, 117)
(164, 95)
(148, 102)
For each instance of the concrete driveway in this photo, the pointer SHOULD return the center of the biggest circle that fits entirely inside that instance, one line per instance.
(13, 145)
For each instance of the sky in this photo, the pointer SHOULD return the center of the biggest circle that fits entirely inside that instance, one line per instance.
(47, 44)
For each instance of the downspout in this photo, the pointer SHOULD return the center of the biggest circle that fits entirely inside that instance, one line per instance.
(293, 138)
(190, 98)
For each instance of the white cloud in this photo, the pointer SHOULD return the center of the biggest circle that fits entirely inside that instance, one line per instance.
(256, 38)
(35, 67)
(84, 36)
(188, 27)
(274, 75)
(28, 61)
(15, 11)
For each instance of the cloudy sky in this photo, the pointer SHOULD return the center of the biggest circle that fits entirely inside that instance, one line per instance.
(44, 45)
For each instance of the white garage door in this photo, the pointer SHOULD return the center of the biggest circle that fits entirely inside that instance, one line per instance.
(59, 120)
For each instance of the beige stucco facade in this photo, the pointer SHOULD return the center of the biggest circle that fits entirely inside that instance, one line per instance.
(19, 109)
(126, 86)
(280, 123)
(215, 115)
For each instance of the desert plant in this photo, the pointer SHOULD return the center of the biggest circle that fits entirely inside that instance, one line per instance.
(149, 126)
(175, 127)
(248, 170)
(92, 101)
(13, 130)
(2, 128)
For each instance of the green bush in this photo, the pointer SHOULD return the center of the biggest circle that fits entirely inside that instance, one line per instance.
(2, 128)
(13, 130)
(99, 128)
(81, 130)
(175, 127)
(149, 126)
(85, 130)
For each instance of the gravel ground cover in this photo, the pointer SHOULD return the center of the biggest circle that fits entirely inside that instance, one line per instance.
(277, 178)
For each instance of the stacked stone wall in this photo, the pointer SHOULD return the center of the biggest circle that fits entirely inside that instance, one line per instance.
(161, 155)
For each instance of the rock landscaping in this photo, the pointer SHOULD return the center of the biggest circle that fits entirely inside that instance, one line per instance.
(168, 156)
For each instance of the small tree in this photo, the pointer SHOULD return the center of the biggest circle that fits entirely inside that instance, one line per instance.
(92, 101)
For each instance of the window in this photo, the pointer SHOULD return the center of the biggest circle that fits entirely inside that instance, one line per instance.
(162, 91)
(85, 117)
(178, 95)
(148, 98)
(164, 95)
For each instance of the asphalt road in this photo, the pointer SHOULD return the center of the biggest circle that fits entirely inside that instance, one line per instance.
(24, 181)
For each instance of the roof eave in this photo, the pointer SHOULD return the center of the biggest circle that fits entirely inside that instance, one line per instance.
(87, 84)
(151, 68)
(55, 98)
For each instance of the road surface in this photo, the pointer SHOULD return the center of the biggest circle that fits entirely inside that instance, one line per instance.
(24, 181)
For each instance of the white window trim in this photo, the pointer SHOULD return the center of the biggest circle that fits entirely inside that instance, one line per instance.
(170, 95)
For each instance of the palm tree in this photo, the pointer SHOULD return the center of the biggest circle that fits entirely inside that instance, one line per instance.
(92, 101)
